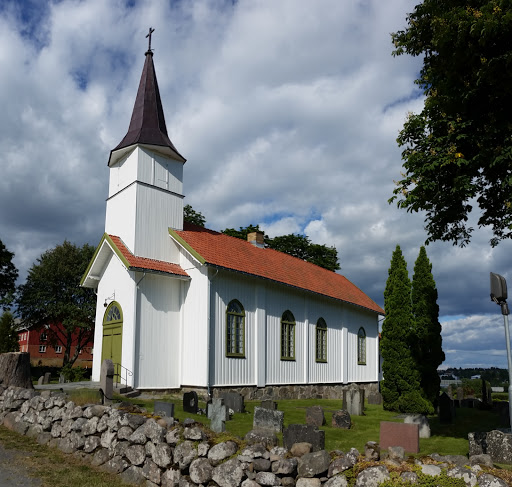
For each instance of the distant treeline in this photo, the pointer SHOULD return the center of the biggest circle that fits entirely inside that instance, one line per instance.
(494, 375)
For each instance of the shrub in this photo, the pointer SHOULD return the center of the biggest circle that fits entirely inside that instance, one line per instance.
(413, 402)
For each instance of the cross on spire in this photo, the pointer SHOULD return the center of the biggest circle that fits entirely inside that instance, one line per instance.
(151, 30)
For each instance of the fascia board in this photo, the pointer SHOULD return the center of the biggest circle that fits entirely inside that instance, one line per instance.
(190, 250)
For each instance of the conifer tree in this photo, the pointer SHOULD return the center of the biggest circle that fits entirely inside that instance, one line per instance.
(400, 387)
(428, 351)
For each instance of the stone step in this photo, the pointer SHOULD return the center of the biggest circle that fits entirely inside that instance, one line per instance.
(132, 393)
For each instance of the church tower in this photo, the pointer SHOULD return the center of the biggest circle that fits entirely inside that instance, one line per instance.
(145, 195)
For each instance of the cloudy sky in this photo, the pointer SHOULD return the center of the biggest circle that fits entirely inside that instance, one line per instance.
(287, 112)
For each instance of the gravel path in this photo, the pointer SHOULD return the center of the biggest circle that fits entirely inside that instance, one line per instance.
(13, 473)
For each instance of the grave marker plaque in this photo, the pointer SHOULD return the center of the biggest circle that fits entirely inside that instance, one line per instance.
(190, 402)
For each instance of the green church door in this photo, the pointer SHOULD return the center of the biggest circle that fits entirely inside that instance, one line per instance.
(112, 334)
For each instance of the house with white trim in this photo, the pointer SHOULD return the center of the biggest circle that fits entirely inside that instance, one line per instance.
(184, 307)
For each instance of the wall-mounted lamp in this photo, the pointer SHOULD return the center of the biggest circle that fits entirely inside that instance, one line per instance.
(109, 299)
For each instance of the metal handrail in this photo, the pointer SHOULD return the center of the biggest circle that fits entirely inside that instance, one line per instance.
(118, 374)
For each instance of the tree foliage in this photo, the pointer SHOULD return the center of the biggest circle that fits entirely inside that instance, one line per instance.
(299, 246)
(52, 295)
(8, 276)
(8, 333)
(427, 344)
(458, 150)
(401, 390)
(192, 216)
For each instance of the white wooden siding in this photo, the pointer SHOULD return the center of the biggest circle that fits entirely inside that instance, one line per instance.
(156, 211)
(233, 370)
(264, 305)
(158, 332)
(123, 173)
(356, 318)
(120, 216)
(116, 280)
(160, 171)
(194, 345)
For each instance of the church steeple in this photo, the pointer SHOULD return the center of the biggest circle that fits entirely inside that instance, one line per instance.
(147, 125)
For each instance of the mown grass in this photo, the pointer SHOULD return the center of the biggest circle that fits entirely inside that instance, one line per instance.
(52, 467)
(446, 439)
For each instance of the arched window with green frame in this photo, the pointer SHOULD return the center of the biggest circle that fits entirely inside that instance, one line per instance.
(287, 336)
(361, 347)
(235, 329)
(321, 340)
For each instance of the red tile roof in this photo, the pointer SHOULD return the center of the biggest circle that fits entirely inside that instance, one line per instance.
(145, 263)
(233, 253)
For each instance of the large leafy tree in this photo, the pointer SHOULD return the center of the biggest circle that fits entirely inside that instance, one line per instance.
(428, 348)
(401, 390)
(299, 246)
(192, 216)
(52, 295)
(8, 276)
(457, 153)
(8, 333)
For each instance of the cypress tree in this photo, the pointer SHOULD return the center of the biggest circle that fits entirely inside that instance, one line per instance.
(400, 387)
(428, 349)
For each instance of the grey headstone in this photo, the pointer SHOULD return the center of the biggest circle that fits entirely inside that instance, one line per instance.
(296, 433)
(422, 421)
(62, 379)
(341, 419)
(269, 404)
(107, 380)
(375, 398)
(190, 402)
(446, 409)
(218, 414)
(40, 381)
(268, 419)
(315, 416)
(460, 393)
(46, 379)
(353, 400)
(234, 401)
(163, 408)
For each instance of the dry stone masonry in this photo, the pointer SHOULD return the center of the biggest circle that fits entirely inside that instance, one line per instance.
(154, 451)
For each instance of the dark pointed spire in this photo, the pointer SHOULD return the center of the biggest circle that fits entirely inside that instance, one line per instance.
(147, 125)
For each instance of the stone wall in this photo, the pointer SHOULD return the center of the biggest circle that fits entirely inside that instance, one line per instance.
(275, 393)
(154, 451)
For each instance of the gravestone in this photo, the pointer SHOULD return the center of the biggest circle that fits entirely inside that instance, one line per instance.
(460, 393)
(46, 379)
(218, 415)
(446, 409)
(341, 419)
(107, 380)
(269, 404)
(190, 402)
(315, 416)
(353, 400)
(375, 398)
(234, 401)
(420, 420)
(299, 433)
(40, 381)
(269, 419)
(400, 434)
(163, 408)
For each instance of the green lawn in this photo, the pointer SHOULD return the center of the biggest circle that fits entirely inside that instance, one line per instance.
(447, 439)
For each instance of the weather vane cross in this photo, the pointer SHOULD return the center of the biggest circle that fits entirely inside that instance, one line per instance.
(151, 30)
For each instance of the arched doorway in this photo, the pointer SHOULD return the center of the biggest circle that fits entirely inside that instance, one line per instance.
(112, 333)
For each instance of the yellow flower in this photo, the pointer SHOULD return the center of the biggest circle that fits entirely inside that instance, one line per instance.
(459, 155)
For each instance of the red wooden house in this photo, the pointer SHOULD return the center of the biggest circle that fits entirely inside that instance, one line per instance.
(46, 350)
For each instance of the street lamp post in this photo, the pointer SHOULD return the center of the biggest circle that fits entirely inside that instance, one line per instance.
(499, 296)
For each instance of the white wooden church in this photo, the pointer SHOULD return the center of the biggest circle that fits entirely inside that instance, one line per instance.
(181, 306)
